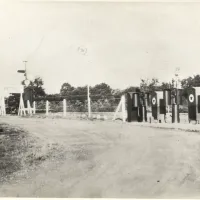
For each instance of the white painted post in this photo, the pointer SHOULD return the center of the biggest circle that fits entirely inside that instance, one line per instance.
(21, 106)
(122, 104)
(47, 107)
(3, 107)
(123, 108)
(34, 108)
(89, 103)
(28, 107)
(19, 109)
(64, 107)
(117, 110)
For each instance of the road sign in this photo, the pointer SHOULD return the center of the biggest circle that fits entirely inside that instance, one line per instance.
(154, 101)
(191, 98)
(21, 71)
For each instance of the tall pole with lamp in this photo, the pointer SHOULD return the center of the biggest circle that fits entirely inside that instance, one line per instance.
(26, 82)
(175, 106)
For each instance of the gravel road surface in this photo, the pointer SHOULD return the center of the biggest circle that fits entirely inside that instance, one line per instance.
(108, 159)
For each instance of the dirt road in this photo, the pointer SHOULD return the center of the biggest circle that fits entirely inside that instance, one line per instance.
(107, 159)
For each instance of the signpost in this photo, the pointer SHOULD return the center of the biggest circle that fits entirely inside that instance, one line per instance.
(22, 108)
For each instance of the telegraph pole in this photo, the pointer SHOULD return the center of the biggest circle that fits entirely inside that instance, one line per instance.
(83, 51)
(89, 103)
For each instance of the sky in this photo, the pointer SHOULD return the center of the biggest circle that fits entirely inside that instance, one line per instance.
(122, 42)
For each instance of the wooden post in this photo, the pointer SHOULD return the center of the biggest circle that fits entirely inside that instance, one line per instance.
(3, 107)
(1, 102)
(28, 107)
(47, 107)
(89, 103)
(123, 108)
(19, 109)
(64, 107)
(21, 106)
(117, 110)
(122, 105)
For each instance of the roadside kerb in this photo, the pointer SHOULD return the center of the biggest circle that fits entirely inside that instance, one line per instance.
(182, 127)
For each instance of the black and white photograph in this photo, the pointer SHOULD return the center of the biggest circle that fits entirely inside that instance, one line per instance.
(100, 99)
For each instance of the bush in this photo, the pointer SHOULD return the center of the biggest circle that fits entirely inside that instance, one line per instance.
(183, 109)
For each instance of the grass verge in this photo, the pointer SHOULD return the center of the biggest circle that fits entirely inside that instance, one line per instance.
(19, 152)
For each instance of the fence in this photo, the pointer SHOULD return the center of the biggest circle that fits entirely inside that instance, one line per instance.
(100, 107)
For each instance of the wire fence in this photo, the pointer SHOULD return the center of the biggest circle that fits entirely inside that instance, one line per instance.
(79, 105)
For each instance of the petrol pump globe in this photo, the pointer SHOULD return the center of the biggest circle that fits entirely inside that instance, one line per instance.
(26, 82)
(30, 77)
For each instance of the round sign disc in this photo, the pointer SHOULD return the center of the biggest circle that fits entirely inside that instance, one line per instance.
(191, 98)
(153, 100)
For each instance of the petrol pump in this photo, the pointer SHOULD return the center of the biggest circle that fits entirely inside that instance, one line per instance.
(136, 109)
(28, 96)
(194, 104)
(158, 105)
(175, 106)
(167, 101)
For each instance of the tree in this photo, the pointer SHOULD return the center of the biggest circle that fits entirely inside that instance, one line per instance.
(131, 89)
(13, 103)
(191, 81)
(102, 90)
(79, 93)
(37, 87)
(149, 85)
(116, 92)
(66, 89)
(166, 85)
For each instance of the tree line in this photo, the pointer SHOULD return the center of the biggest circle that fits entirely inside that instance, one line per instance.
(103, 97)
(103, 90)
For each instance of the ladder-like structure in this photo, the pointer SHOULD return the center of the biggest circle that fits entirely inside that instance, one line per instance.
(121, 106)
